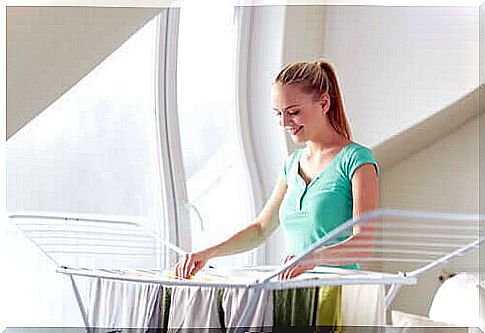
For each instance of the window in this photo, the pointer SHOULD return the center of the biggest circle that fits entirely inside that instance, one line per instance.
(93, 152)
(218, 190)
(105, 148)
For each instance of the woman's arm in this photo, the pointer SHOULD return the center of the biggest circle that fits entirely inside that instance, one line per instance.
(248, 238)
(365, 192)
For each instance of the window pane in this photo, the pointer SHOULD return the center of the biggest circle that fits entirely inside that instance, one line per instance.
(216, 181)
(93, 151)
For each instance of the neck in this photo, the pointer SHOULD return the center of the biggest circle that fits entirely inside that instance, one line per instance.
(328, 142)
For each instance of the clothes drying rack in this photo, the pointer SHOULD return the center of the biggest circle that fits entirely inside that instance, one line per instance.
(420, 240)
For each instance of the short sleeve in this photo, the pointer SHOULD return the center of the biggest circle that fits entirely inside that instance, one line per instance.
(290, 163)
(360, 156)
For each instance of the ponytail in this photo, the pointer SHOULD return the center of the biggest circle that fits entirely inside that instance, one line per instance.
(336, 114)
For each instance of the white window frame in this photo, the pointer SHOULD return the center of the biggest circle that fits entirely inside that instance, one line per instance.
(242, 15)
(170, 154)
(176, 199)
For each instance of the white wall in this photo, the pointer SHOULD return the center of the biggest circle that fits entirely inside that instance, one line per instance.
(442, 177)
(399, 65)
(304, 38)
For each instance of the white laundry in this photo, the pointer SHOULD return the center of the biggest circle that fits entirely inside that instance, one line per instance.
(121, 304)
(193, 307)
(370, 302)
(234, 303)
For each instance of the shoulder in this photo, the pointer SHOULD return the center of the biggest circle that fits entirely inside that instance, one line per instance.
(357, 148)
(356, 155)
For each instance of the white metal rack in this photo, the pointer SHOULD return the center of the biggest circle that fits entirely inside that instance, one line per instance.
(421, 240)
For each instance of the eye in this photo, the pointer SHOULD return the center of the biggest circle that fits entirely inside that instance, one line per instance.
(293, 113)
(276, 113)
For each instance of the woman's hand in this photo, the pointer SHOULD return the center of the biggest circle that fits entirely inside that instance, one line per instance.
(190, 264)
(296, 270)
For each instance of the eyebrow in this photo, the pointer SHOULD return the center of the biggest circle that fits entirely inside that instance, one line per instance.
(288, 107)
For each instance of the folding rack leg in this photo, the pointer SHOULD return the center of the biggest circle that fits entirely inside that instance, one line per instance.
(80, 303)
(391, 294)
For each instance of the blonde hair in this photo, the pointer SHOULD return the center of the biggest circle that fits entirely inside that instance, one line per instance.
(318, 78)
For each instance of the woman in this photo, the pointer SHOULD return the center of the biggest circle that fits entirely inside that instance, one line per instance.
(323, 185)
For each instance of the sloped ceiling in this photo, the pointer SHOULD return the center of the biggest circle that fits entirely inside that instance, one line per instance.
(49, 49)
(426, 132)
(415, 138)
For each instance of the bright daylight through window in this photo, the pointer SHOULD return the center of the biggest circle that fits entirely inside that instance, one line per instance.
(217, 186)
(92, 152)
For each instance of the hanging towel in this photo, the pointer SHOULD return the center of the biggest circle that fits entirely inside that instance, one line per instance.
(295, 307)
(308, 307)
(234, 302)
(329, 308)
(166, 297)
(363, 305)
(120, 304)
(154, 322)
(193, 307)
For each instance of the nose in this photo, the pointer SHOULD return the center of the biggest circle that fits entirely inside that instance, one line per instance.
(284, 119)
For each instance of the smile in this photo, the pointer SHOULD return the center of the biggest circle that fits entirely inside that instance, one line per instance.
(294, 130)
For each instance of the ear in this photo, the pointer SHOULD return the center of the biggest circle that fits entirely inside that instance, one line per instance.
(325, 102)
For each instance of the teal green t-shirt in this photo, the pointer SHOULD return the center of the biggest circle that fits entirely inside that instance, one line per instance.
(309, 212)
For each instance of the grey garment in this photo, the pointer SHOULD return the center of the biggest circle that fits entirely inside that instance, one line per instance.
(157, 312)
(234, 303)
(193, 307)
(120, 304)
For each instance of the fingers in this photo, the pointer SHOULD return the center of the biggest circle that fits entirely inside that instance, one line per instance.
(296, 270)
(179, 269)
(197, 266)
(291, 273)
(188, 266)
(184, 266)
(176, 270)
(288, 258)
(285, 274)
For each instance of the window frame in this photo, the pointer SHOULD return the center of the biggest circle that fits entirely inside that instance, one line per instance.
(168, 133)
(176, 203)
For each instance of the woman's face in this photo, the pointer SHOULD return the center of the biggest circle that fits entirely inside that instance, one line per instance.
(300, 114)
